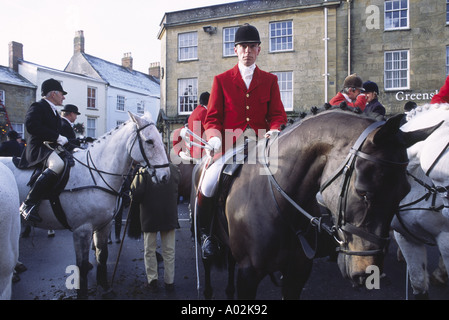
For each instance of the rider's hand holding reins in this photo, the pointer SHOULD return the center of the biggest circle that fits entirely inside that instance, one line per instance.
(271, 133)
(214, 145)
(62, 140)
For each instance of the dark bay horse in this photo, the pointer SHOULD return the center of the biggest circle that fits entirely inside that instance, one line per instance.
(357, 165)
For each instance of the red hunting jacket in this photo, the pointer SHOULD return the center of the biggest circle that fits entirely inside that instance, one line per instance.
(196, 121)
(233, 106)
(443, 95)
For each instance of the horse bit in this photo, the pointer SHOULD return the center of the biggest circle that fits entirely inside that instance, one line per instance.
(338, 230)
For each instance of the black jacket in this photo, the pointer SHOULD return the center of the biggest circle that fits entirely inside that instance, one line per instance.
(42, 125)
(68, 132)
(10, 148)
(158, 203)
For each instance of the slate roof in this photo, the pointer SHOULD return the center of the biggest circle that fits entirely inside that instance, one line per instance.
(9, 76)
(123, 78)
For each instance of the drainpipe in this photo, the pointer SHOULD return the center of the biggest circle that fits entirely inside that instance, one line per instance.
(326, 71)
(349, 35)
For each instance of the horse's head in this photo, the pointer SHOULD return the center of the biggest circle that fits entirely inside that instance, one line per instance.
(432, 154)
(372, 187)
(148, 150)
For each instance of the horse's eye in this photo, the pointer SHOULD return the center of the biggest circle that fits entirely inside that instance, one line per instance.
(150, 142)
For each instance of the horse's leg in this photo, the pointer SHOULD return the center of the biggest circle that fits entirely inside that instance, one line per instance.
(439, 276)
(416, 257)
(101, 254)
(247, 282)
(207, 264)
(230, 288)
(294, 277)
(82, 238)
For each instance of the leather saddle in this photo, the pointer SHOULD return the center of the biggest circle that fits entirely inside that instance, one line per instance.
(53, 193)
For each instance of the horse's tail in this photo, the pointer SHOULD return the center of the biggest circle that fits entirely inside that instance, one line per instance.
(134, 227)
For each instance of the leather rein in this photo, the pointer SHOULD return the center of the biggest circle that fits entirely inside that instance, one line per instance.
(92, 168)
(338, 230)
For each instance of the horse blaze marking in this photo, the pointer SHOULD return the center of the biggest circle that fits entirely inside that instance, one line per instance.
(73, 280)
(373, 280)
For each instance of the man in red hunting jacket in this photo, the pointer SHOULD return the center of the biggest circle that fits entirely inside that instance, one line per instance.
(244, 102)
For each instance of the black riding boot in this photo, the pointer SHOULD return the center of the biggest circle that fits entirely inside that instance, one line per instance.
(209, 246)
(30, 207)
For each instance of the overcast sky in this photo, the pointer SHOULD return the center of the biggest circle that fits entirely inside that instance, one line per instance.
(46, 28)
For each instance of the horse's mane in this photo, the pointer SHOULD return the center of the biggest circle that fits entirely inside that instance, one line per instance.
(428, 107)
(146, 116)
(315, 111)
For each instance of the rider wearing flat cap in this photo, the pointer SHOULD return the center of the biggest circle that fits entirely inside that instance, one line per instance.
(244, 103)
(43, 123)
(352, 87)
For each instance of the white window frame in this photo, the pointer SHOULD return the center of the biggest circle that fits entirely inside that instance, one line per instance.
(285, 82)
(120, 103)
(141, 107)
(447, 12)
(228, 41)
(398, 11)
(91, 127)
(188, 46)
(19, 128)
(91, 98)
(282, 31)
(187, 102)
(396, 70)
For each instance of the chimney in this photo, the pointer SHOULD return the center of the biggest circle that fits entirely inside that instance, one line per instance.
(155, 70)
(78, 42)
(15, 54)
(127, 61)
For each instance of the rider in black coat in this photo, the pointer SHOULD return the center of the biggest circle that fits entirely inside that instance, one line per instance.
(11, 147)
(43, 123)
(68, 116)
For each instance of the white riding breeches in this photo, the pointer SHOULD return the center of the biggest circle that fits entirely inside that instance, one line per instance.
(233, 155)
(55, 163)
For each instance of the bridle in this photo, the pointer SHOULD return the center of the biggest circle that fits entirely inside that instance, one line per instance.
(339, 230)
(150, 168)
(92, 167)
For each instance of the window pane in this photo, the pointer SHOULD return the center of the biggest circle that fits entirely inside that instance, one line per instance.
(281, 36)
(187, 95)
(286, 88)
(187, 46)
(396, 70)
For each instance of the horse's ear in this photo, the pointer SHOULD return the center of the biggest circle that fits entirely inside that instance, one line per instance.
(412, 137)
(136, 119)
(388, 130)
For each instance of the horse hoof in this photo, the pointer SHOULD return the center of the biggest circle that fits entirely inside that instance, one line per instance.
(110, 294)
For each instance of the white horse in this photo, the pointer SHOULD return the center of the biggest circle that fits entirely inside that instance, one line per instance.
(424, 218)
(9, 230)
(92, 193)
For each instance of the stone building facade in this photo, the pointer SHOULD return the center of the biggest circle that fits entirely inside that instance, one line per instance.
(301, 62)
(402, 45)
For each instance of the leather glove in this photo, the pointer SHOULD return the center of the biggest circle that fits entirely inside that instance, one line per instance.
(215, 143)
(271, 133)
(62, 140)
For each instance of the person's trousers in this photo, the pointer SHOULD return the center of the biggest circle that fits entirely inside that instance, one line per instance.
(168, 254)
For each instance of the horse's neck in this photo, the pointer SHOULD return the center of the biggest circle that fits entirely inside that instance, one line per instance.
(110, 154)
